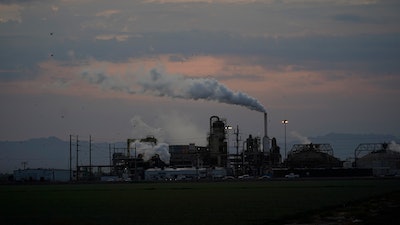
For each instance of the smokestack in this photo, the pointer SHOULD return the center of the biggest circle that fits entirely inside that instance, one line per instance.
(265, 138)
(265, 125)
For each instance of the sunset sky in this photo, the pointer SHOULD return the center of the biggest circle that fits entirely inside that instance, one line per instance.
(89, 67)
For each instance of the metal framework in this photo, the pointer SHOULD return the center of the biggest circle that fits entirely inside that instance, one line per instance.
(326, 148)
(368, 147)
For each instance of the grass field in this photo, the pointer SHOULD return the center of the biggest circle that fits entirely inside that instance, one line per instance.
(229, 203)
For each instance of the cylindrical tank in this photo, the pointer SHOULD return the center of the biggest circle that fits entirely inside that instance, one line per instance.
(217, 136)
(217, 142)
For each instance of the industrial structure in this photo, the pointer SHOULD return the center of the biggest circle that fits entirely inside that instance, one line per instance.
(184, 174)
(379, 157)
(204, 160)
(217, 144)
(133, 166)
(147, 159)
(186, 156)
(312, 156)
(43, 175)
(316, 160)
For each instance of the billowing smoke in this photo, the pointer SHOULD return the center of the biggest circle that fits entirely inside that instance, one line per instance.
(301, 138)
(177, 128)
(394, 146)
(148, 150)
(157, 82)
(180, 129)
(141, 129)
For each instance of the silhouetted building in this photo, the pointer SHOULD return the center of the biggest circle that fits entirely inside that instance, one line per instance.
(312, 156)
(379, 157)
(218, 147)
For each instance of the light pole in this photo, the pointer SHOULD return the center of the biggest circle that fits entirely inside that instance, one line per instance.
(285, 122)
(227, 128)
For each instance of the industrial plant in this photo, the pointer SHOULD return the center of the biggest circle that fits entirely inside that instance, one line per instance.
(145, 159)
(381, 157)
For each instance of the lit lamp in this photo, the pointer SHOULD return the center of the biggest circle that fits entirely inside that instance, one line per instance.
(228, 127)
(285, 122)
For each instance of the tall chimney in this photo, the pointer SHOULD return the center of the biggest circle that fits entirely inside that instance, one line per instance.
(265, 125)
(265, 138)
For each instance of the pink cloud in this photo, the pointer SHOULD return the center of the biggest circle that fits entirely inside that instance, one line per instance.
(10, 13)
(275, 86)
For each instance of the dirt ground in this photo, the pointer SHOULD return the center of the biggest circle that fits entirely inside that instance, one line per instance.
(378, 210)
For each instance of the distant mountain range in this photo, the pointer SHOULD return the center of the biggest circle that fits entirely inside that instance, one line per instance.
(53, 152)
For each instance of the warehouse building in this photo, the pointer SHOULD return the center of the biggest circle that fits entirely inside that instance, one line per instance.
(53, 175)
(380, 157)
(179, 174)
(312, 156)
(187, 155)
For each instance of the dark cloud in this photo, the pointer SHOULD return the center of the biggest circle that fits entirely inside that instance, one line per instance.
(20, 56)
(178, 58)
(244, 77)
(375, 52)
(21, 1)
(348, 18)
(267, 32)
(370, 53)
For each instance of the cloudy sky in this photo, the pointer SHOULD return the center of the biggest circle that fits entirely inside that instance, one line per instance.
(104, 67)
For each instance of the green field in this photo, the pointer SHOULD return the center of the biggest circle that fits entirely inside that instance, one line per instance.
(200, 203)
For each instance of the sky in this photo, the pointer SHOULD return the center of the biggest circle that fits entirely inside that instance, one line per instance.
(100, 68)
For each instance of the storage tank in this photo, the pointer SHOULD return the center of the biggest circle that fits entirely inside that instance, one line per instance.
(217, 142)
(312, 156)
(381, 157)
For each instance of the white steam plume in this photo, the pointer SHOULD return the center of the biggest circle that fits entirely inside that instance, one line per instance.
(157, 82)
(148, 150)
(141, 129)
(394, 146)
(180, 129)
(301, 138)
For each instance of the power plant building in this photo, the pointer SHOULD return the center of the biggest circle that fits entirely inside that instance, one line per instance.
(53, 175)
(312, 156)
(187, 156)
(253, 160)
(180, 174)
(380, 157)
(217, 144)
(188, 162)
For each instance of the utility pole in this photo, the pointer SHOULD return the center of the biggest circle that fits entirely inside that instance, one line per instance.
(77, 161)
(136, 177)
(90, 156)
(285, 122)
(109, 153)
(243, 155)
(70, 157)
